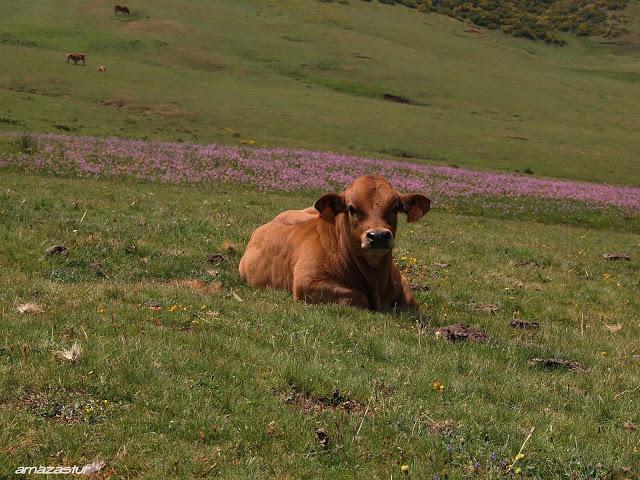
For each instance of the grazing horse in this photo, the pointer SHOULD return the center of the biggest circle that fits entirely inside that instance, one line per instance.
(76, 57)
(121, 9)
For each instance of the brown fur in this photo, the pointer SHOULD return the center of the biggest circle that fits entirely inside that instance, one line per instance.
(76, 57)
(121, 9)
(323, 254)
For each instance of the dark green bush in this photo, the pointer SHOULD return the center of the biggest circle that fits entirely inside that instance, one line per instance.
(533, 19)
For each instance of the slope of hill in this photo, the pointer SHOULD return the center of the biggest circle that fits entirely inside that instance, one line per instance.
(363, 78)
(187, 372)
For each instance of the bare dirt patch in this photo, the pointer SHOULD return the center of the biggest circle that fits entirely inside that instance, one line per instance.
(527, 263)
(310, 404)
(390, 97)
(523, 324)
(26, 441)
(64, 406)
(490, 308)
(155, 26)
(112, 103)
(193, 58)
(459, 332)
(439, 427)
(416, 287)
(557, 364)
(217, 258)
(211, 288)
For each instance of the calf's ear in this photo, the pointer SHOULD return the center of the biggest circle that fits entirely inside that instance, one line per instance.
(414, 205)
(330, 205)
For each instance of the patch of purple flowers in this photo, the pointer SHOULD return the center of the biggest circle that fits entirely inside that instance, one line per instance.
(289, 170)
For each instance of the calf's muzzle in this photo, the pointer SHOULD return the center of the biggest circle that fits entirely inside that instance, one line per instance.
(381, 239)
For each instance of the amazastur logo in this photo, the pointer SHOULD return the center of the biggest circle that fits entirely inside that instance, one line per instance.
(71, 470)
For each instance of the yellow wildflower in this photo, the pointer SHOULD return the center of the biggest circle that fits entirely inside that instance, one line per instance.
(437, 386)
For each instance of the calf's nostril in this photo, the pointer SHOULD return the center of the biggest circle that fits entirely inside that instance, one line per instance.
(379, 235)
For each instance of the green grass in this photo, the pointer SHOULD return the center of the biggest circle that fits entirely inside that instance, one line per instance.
(198, 388)
(221, 363)
(312, 74)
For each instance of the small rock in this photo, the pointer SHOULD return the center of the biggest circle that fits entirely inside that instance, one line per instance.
(630, 426)
(616, 256)
(440, 264)
(323, 438)
(56, 250)
(92, 468)
(72, 355)
(151, 305)
(459, 332)
(31, 308)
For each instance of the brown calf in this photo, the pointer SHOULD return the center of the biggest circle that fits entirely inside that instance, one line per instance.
(121, 9)
(339, 250)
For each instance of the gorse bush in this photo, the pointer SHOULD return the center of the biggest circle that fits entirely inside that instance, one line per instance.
(532, 19)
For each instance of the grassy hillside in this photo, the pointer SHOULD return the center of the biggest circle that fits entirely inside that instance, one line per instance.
(141, 347)
(311, 74)
(186, 372)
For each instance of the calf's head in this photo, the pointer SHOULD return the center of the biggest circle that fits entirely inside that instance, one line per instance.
(368, 211)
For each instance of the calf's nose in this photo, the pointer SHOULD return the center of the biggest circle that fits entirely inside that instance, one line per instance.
(379, 238)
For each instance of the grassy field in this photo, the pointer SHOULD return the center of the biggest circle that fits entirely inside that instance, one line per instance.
(310, 74)
(175, 368)
(187, 372)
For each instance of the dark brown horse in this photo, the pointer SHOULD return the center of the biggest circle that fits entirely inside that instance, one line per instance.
(121, 9)
(76, 57)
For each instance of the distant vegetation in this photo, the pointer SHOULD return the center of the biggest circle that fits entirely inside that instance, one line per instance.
(532, 19)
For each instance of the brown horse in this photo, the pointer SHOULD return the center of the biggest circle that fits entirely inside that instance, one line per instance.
(121, 9)
(76, 57)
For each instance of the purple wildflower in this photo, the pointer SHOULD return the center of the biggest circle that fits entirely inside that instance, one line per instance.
(289, 169)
